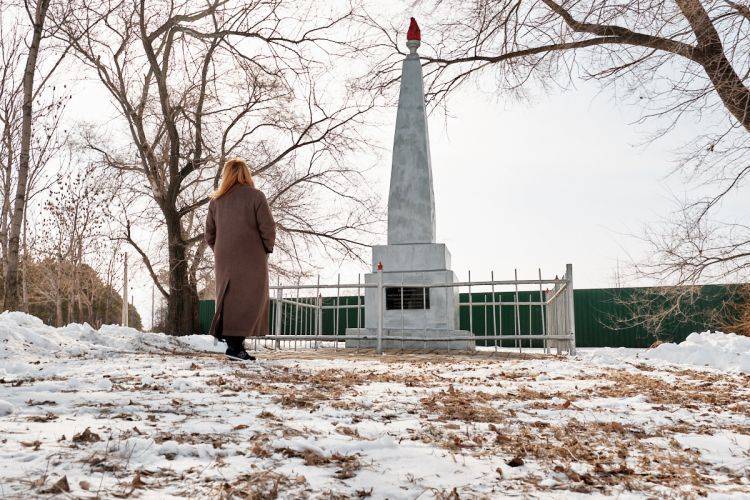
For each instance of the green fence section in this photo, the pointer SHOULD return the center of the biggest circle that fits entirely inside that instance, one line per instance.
(206, 310)
(301, 320)
(597, 315)
(599, 312)
(501, 320)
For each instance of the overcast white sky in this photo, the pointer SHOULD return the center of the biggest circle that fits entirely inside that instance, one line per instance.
(562, 178)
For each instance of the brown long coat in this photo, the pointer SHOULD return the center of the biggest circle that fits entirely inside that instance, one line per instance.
(241, 231)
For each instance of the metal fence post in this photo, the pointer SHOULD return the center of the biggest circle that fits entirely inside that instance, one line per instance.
(277, 325)
(550, 326)
(471, 306)
(542, 302)
(494, 301)
(571, 308)
(319, 321)
(319, 329)
(517, 315)
(381, 307)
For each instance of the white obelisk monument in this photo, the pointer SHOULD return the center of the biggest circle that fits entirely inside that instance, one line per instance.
(411, 257)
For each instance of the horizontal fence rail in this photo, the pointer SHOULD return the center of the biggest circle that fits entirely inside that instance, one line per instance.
(492, 314)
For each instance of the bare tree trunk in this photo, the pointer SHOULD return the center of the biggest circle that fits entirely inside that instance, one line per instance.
(727, 83)
(109, 287)
(76, 282)
(6, 196)
(69, 310)
(58, 294)
(182, 303)
(11, 273)
(79, 302)
(183, 299)
(106, 302)
(24, 263)
(70, 288)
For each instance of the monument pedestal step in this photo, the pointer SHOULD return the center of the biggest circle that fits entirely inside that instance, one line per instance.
(411, 257)
(411, 338)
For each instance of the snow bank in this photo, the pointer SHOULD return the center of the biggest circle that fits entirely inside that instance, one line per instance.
(723, 351)
(24, 335)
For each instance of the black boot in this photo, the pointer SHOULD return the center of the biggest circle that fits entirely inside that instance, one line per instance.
(236, 349)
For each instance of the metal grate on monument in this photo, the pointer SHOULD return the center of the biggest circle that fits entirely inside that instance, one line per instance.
(406, 298)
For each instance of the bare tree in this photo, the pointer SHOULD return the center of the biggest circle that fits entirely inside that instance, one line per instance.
(196, 82)
(11, 56)
(11, 272)
(24, 147)
(70, 230)
(686, 251)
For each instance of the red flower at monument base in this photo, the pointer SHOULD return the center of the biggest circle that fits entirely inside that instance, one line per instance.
(413, 33)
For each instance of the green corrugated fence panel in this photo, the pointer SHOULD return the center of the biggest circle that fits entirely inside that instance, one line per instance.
(595, 310)
(206, 314)
(594, 313)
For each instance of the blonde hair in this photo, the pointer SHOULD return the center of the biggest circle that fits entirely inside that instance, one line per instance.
(235, 171)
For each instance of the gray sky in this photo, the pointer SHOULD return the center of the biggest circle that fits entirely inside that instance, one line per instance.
(565, 177)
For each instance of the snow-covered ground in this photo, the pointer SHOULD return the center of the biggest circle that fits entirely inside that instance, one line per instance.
(116, 413)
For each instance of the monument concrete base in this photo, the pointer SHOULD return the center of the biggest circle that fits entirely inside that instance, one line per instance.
(408, 338)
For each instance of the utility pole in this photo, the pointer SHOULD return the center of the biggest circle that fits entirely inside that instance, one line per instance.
(153, 289)
(125, 294)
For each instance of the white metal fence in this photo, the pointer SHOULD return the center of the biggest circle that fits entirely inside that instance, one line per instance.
(498, 314)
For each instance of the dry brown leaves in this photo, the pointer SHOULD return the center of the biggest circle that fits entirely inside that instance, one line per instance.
(348, 464)
(454, 404)
(59, 487)
(307, 401)
(87, 436)
(260, 485)
(31, 402)
(604, 446)
(35, 445)
(710, 390)
(47, 417)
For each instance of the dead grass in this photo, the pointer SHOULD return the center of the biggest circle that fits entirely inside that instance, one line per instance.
(453, 404)
(259, 485)
(709, 390)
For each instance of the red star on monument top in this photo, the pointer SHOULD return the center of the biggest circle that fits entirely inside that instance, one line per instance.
(413, 33)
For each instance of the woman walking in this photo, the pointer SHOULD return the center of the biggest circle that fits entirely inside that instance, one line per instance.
(241, 232)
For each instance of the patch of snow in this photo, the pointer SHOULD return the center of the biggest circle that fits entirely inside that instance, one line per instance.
(611, 356)
(726, 449)
(723, 351)
(22, 333)
(715, 350)
(5, 407)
